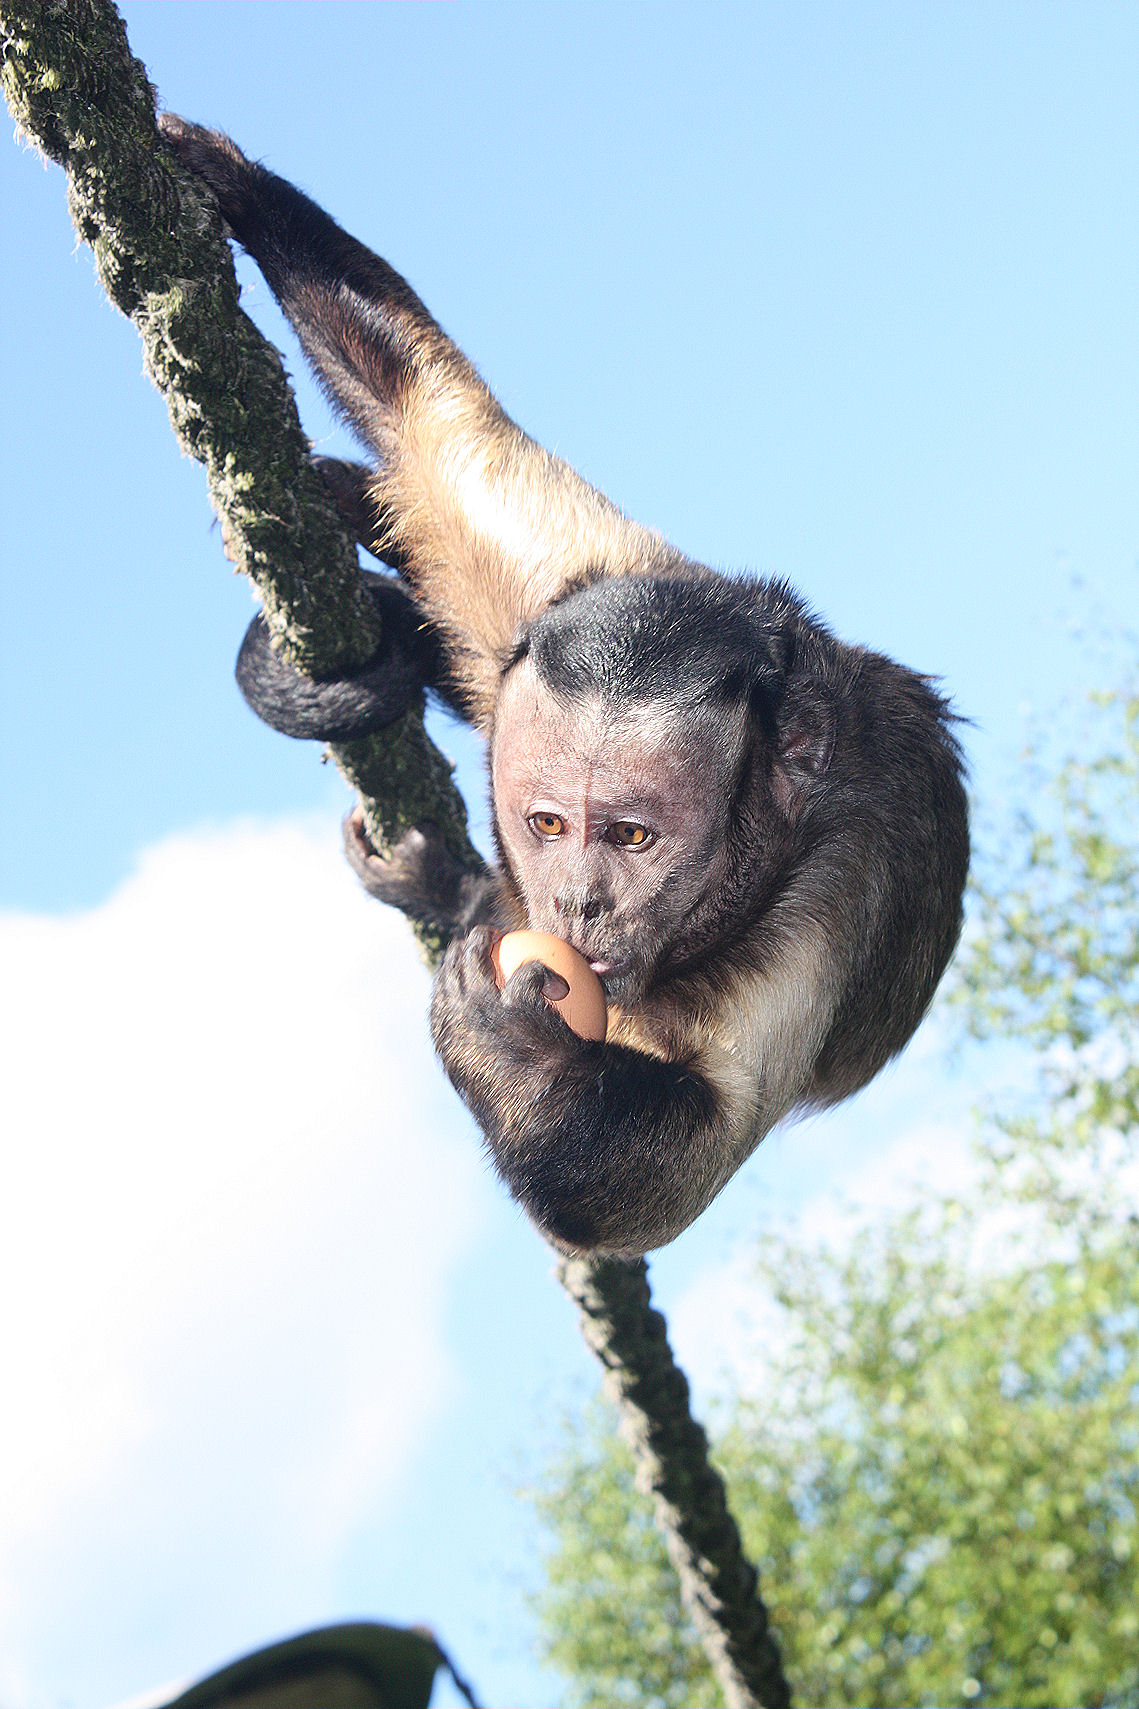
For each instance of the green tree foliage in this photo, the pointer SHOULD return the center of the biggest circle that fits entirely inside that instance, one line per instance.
(940, 1480)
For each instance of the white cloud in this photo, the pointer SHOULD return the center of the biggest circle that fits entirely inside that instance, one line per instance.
(821, 1179)
(824, 1179)
(722, 1324)
(228, 1217)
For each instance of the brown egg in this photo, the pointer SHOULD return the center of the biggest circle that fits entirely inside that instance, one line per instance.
(583, 1006)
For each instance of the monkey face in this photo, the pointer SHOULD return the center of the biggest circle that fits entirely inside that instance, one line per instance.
(612, 820)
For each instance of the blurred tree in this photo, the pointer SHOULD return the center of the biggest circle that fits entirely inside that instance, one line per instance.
(939, 1483)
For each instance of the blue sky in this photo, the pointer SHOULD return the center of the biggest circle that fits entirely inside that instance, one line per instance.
(846, 293)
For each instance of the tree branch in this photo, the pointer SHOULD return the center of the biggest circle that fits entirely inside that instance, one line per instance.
(74, 88)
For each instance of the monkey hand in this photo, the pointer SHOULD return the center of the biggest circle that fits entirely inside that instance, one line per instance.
(218, 162)
(509, 1055)
(606, 1148)
(499, 1045)
(350, 488)
(421, 876)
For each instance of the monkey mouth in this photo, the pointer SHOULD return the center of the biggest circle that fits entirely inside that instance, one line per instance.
(605, 966)
(618, 977)
(601, 964)
(608, 968)
(612, 967)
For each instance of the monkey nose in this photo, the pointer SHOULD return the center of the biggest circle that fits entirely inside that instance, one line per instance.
(578, 908)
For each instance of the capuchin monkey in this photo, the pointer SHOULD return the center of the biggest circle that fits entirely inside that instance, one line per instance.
(755, 834)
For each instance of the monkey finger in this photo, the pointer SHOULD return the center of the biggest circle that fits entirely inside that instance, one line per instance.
(476, 971)
(210, 154)
(350, 485)
(213, 159)
(534, 986)
(357, 843)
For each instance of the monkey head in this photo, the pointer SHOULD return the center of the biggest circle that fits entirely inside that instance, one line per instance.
(645, 772)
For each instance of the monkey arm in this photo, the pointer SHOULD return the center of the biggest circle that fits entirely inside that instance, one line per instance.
(607, 1148)
(488, 526)
(361, 325)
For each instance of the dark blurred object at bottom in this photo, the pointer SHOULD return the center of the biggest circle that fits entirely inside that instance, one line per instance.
(359, 1666)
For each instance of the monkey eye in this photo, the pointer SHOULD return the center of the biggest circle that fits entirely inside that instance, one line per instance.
(628, 835)
(547, 825)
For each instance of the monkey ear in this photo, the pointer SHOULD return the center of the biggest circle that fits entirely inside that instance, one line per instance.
(805, 729)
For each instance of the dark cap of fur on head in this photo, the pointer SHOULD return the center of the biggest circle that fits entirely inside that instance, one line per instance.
(693, 639)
